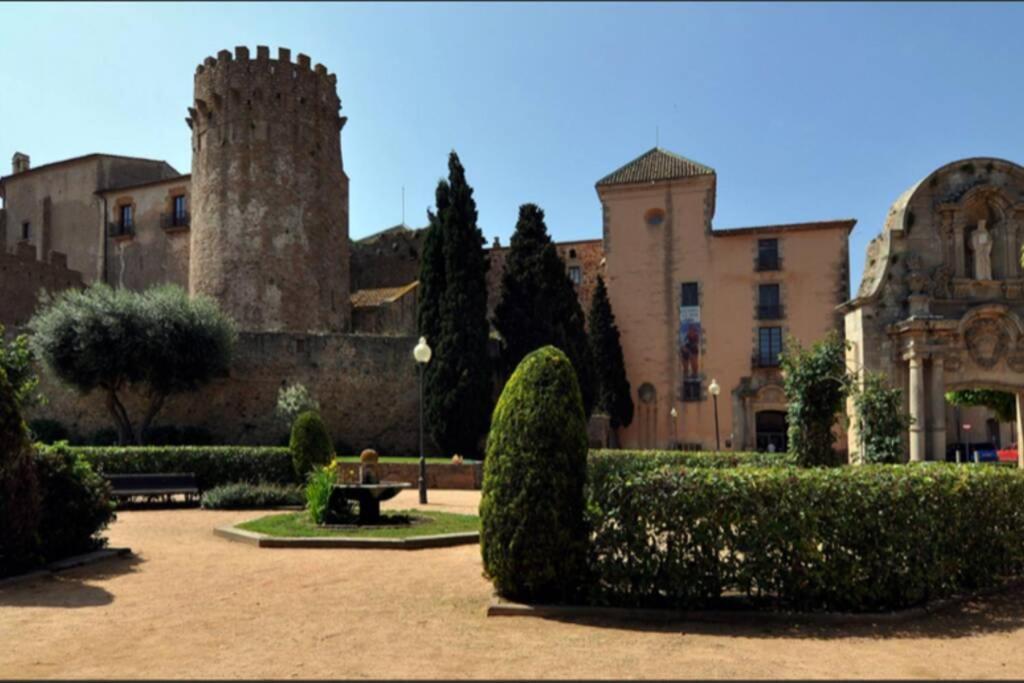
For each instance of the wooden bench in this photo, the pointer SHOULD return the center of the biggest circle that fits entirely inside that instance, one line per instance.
(154, 486)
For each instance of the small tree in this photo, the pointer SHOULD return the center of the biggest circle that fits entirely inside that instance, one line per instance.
(881, 420)
(19, 487)
(816, 385)
(158, 342)
(613, 392)
(310, 443)
(533, 535)
(453, 318)
(16, 361)
(539, 305)
(294, 400)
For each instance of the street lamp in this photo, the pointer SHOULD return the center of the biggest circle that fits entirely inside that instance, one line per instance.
(422, 355)
(674, 413)
(714, 390)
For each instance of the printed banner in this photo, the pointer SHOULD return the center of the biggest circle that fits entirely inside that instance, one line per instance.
(689, 340)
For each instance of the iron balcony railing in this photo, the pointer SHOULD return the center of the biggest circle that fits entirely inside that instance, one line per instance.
(764, 360)
(175, 220)
(770, 312)
(768, 262)
(120, 229)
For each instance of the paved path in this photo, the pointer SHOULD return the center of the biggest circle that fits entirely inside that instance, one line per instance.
(193, 605)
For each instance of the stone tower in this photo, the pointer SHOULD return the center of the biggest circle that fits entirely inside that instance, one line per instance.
(269, 197)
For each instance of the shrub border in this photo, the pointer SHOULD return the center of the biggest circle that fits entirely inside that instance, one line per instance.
(72, 562)
(500, 607)
(259, 540)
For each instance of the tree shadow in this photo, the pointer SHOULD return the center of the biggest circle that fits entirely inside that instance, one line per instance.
(1001, 612)
(70, 588)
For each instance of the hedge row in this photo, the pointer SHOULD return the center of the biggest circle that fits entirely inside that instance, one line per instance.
(212, 465)
(622, 461)
(866, 538)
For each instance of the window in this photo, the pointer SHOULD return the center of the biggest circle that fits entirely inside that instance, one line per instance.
(178, 215)
(654, 217)
(572, 253)
(689, 294)
(126, 218)
(768, 254)
(575, 274)
(769, 346)
(691, 389)
(769, 306)
(26, 230)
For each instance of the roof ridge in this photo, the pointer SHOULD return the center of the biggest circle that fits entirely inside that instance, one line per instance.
(656, 164)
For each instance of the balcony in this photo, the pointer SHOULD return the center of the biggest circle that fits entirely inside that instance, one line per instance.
(766, 262)
(121, 230)
(764, 360)
(770, 312)
(175, 221)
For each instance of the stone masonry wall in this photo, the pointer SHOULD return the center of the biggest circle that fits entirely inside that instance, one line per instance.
(22, 277)
(366, 386)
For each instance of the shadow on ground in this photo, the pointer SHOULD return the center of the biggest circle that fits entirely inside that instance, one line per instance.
(999, 613)
(72, 588)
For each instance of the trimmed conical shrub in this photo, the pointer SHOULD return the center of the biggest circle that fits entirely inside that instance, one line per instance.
(19, 488)
(310, 443)
(533, 535)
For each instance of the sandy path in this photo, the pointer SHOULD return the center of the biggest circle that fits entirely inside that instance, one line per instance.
(193, 605)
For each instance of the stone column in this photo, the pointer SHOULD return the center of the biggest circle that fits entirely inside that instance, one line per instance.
(958, 250)
(937, 408)
(1020, 429)
(918, 409)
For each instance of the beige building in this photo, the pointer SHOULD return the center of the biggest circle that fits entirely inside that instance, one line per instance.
(694, 304)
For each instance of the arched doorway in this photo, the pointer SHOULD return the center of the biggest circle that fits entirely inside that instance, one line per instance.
(770, 428)
(941, 302)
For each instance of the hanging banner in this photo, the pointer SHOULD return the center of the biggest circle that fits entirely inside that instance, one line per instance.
(689, 341)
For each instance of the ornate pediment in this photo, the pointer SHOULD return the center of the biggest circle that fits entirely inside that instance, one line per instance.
(987, 341)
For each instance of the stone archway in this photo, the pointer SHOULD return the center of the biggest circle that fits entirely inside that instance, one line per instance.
(941, 302)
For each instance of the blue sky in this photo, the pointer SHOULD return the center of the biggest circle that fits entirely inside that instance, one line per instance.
(806, 111)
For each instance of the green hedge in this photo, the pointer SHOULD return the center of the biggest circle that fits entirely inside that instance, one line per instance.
(212, 465)
(243, 495)
(607, 461)
(866, 538)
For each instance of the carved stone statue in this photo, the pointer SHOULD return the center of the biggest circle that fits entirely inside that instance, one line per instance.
(981, 243)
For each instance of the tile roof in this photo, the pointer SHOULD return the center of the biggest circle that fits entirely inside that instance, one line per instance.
(381, 295)
(653, 165)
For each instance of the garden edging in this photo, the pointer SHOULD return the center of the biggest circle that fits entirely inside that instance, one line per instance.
(499, 607)
(415, 543)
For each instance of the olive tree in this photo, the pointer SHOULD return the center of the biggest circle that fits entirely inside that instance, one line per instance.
(158, 342)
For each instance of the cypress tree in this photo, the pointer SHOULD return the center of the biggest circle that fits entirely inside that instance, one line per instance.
(613, 392)
(453, 318)
(538, 303)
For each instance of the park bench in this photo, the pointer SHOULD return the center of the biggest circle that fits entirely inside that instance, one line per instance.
(154, 486)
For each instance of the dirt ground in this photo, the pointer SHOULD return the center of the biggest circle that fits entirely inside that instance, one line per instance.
(191, 605)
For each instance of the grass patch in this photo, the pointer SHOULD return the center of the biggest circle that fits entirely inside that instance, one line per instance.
(299, 525)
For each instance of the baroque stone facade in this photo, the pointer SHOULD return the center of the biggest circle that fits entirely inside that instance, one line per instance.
(941, 303)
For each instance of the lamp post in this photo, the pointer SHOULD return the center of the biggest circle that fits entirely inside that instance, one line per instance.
(422, 355)
(714, 390)
(675, 439)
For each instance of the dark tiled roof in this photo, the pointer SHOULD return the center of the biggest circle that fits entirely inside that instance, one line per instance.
(656, 164)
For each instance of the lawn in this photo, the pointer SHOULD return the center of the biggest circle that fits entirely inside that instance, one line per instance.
(299, 524)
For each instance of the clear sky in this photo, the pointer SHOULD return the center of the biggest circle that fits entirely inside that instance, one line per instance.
(806, 111)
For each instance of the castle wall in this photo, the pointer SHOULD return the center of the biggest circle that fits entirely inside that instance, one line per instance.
(22, 277)
(366, 386)
(269, 194)
(388, 259)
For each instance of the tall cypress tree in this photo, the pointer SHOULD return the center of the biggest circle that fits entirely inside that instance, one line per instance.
(453, 318)
(613, 392)
(538, 303)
